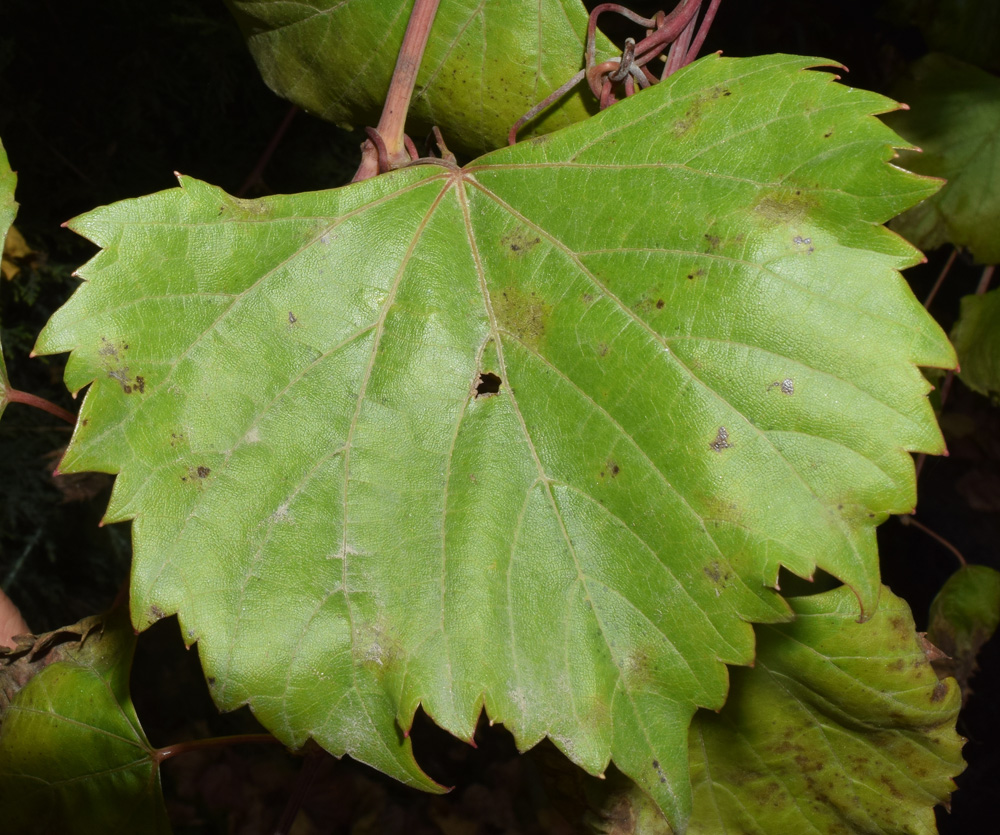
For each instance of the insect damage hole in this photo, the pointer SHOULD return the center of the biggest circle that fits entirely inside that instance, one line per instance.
(487, 384)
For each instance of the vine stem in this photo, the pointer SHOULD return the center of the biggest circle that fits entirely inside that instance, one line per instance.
(397, 100)
(165, 753)
(255, 176)
(909, 520)
(15, 396)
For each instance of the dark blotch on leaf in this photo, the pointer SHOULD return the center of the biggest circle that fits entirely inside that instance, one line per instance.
(520, 240)
(939, 692)
(659, 304)
(203, 472)
(721, 441)
(487, 384)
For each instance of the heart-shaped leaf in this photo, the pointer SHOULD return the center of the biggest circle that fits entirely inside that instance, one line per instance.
(73, 756)
(954, 117)
(536, 434)
(485, 65)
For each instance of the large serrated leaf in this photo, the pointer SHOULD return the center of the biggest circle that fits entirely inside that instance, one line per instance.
(535, 434)
(485, 65)
(73, 756)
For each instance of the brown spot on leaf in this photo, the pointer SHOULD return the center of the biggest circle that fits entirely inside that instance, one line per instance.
(698, 273)
(786, 386)
(659, 771)
(713, 242)
(519, 241)
(524, 315)
(659, 304)
(292, 318)
(783, 206)
(203, 472)
(721, 441)
(939, 692)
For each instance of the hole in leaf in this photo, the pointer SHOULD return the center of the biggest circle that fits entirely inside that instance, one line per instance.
(487, 383)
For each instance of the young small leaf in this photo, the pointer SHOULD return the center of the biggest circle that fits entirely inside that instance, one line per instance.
(977, 340)
(73, 757)
(705, 368)
(964, 615)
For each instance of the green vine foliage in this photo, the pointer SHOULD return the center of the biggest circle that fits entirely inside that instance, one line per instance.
(534, 436)
(336, 60)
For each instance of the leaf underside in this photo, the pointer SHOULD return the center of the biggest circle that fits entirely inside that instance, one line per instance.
(839, 727)
(485, 65)
(534, 435)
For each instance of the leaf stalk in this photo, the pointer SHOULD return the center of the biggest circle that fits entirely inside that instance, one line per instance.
(391, 149)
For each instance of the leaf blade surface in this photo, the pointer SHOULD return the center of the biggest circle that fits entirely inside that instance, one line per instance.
(351, 528)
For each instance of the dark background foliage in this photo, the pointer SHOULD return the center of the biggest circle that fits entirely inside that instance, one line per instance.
(102, 100)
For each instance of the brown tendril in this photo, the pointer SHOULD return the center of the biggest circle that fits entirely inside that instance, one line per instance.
(678, 31)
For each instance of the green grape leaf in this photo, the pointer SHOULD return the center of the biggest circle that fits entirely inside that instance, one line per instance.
(954, 117)
(964, 615)
(485, 65)
(73, 757)
(535, 435)
(970, 28)
(8, 209)
(839, 727)
(977, 340)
